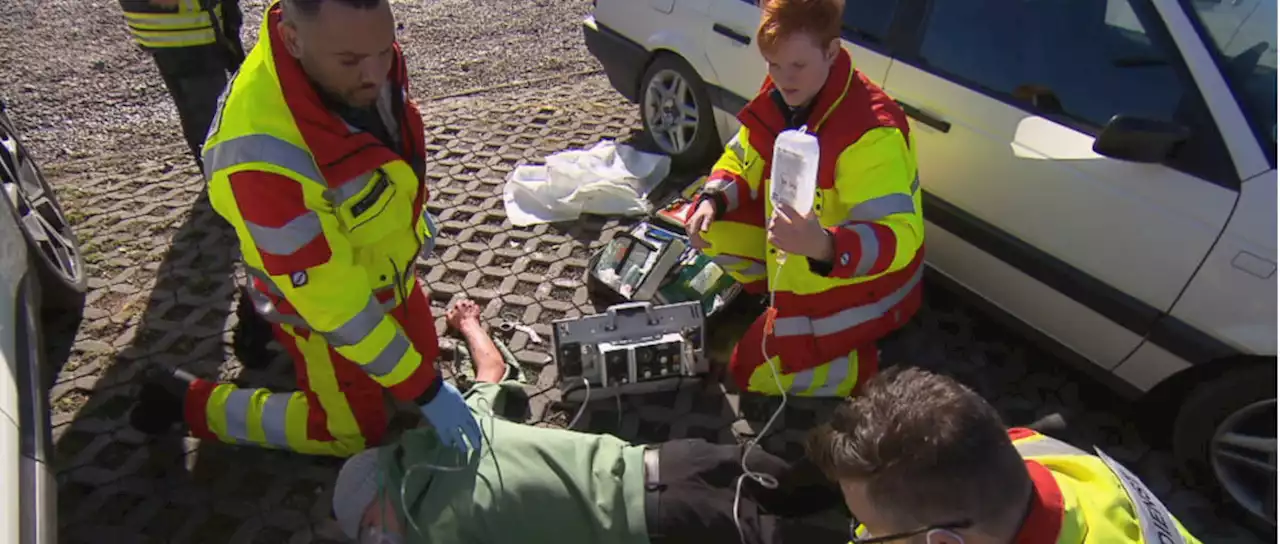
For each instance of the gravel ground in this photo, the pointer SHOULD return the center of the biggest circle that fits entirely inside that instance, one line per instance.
(84, 89)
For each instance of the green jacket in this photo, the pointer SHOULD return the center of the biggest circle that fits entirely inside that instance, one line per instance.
(530, 485)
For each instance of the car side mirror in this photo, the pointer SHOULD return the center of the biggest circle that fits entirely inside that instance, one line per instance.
(1139, 139)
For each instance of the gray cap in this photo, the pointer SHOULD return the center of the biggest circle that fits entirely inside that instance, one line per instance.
(355, 490)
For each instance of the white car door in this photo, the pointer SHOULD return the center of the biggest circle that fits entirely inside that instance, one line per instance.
(1006, 99)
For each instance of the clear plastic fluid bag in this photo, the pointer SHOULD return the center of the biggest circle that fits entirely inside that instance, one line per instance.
(794, 179)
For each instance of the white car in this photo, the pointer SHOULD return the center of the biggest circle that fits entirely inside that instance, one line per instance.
(40, 268)
(1102, 172)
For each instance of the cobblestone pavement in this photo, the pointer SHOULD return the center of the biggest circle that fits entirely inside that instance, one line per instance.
(163, 269)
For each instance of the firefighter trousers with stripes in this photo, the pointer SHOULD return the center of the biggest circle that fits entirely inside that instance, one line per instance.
(338, 411)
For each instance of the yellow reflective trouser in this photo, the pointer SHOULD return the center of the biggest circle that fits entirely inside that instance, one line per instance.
(188, 27)
(340, 410)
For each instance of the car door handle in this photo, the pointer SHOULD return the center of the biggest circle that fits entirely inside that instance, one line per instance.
(731, 34)
(926, 118)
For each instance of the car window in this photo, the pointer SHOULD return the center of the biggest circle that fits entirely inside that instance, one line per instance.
(868, 20)
(1082, 61)
(1244, 33)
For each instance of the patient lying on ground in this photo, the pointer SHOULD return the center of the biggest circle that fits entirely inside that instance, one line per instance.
(533, 484)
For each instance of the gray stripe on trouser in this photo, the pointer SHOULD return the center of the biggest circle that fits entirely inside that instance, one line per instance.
(349, 189)
(429, 245)
(359, 326)
(287, 239)
(845, 319)
(275, 417)
(252, 148)
(1045, 446)
(801, 381)
(915, 184)
(881, 207)
(237, 414)
(837, 372)
(389, 357)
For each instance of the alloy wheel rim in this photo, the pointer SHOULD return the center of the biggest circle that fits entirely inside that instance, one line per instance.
(37, 209)
(671, 111)
(1243, 456)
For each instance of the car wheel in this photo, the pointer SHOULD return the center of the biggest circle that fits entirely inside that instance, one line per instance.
(1225, 435)
(677, 112)
(55, 251)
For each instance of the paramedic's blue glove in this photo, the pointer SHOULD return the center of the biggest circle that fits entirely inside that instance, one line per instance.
(452, 418)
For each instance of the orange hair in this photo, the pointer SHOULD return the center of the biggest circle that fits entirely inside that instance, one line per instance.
(820, 19)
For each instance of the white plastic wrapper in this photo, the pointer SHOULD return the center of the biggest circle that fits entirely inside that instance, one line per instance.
(608, 179)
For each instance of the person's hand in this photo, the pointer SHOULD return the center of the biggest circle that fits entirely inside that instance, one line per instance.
(799, 234)
(452, 419)
(699, 221)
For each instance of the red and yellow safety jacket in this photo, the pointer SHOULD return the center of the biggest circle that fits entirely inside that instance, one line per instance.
(1081, 498)
(331, 220)
(868, 198)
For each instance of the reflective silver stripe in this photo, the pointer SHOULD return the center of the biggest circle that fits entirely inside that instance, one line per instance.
(725, 187)
(837, 372)
(266, 148)
(288, 239)
(845, 319)
(1045, 446)
(870, 248)
(275, 417)
(801, 381)
(159, 37)
(739, 265)
(359, 327)
(349, 189)
(390, 356)
(735, 145)
(1154, 519)
(429, 245)
(268, 311)
(271, 285)
(162, 21)
(881, 207)
(915, 184)
(237, 413)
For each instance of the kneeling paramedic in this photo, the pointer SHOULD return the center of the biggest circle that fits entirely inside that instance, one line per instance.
(923, 459)
(317, 159)
(852, 275)
(543, 485)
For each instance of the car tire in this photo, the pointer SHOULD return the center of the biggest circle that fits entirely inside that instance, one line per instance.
(58, 264)
(670, 93)
(1220, 439)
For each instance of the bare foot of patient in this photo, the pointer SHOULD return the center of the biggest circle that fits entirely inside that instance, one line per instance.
(463, 315)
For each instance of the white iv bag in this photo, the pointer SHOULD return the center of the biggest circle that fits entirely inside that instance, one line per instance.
(794, 179)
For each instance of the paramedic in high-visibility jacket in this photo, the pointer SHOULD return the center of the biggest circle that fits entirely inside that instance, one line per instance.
(853, 267)
(921, 458)
(317, 158)
(195, 45)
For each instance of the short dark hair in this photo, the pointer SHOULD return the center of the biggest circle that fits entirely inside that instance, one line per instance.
(929, 450)
(309, 8)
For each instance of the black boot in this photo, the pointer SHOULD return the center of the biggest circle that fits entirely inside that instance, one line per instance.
(251, 337)
(159, 406)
